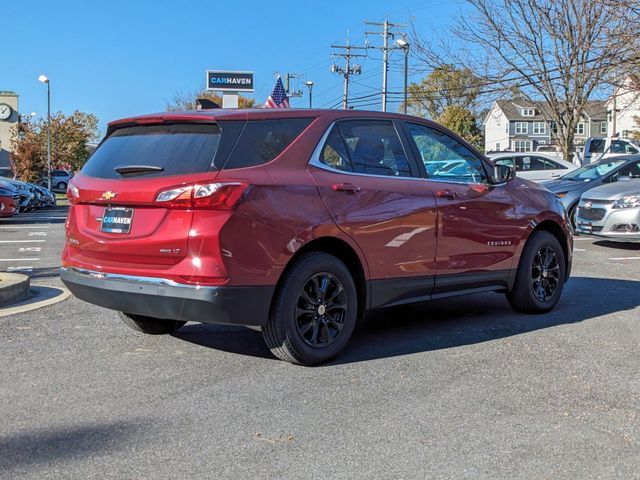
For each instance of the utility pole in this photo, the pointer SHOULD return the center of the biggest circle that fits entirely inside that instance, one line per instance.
(348, 69)
(387, 31)
(295, 92)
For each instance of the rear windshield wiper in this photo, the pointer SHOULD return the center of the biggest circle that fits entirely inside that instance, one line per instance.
(132, 169)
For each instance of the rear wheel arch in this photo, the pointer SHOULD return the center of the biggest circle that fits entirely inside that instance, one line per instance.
(343, 252)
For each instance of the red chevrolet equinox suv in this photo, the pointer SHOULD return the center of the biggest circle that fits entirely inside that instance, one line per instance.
(299, 221)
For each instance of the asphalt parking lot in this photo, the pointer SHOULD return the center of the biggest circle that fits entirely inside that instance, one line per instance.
(458, 388)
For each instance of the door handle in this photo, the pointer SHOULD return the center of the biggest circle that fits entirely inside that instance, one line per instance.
(345, 187)
(448, 194)
(555, 174)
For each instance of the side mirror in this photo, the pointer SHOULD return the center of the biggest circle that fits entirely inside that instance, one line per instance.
(503, 173)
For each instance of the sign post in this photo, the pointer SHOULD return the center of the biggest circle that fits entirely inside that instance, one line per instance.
(230, 83)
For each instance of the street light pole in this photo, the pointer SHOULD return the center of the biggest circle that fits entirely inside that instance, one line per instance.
(404, 45)
(406, 76)
(310, 85)
(44, 79)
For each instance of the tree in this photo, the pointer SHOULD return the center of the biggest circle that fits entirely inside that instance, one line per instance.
(444, 87)
(560, 51)
(69, 137)
(462, 121)
(186, 100)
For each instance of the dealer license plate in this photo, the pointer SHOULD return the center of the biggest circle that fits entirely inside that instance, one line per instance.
(117, 220)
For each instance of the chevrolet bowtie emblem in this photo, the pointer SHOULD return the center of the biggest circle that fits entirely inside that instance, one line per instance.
(587, 204)
(108, 195)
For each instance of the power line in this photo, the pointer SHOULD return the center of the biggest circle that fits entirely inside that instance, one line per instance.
(387, 32)
(345, 51)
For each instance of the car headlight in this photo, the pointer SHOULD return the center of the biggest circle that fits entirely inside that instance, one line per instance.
(630, 201)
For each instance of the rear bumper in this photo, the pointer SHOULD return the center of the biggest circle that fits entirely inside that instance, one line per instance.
(161, 298)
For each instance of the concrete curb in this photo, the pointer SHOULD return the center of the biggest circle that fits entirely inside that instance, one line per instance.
(13, 288)
(41, 296)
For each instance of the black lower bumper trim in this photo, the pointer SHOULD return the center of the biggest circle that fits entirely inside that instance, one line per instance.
(167, 300)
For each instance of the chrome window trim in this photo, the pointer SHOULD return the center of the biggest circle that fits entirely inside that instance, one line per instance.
(315, 162)
(134, 278)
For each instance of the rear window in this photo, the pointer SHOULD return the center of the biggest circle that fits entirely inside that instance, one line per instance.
(263, 140)
(176, 148)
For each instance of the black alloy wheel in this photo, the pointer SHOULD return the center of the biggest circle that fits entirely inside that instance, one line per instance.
(314, 310)
(540, 276)
(321, 310)
(545, 274)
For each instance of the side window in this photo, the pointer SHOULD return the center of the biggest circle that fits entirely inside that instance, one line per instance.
(505, 161)
(445, 158)
(334, 153)
(263, 140)
(629, 171)
(374, 148)
(551, 165)
(596, 145)
(530, 164)
(618, 146)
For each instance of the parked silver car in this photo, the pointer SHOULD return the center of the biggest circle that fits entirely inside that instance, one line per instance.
(611, 211)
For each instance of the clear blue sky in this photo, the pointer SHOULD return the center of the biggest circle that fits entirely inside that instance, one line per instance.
(121, 58)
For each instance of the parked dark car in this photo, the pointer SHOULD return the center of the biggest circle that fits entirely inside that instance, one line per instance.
(9, 200)
(571, 186)
(28, 200)
(299, 221)
(46, 197)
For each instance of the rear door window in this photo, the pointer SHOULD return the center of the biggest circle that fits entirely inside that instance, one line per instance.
(374, 148)
(263, 140)
(528, 164)
(175, 148)
(334, 153)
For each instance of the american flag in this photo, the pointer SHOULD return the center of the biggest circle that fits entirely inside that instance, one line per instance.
(278, 97)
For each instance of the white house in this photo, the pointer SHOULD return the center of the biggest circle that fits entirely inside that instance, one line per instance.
(623, 106)
(524, 125)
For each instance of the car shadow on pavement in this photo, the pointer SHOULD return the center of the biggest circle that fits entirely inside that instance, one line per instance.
(23, 451)
(634, 247)
(440, 324)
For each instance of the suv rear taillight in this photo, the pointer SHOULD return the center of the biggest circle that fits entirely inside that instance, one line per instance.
(72, 193)
(209, 196)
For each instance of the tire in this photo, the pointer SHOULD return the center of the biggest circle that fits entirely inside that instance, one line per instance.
(314, 311)
(61, 186)
(149, 325)
(537, 288)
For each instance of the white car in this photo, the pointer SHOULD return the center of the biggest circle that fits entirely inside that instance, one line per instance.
(533, 166)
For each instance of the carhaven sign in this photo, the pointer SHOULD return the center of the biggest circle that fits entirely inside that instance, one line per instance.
(224, 80)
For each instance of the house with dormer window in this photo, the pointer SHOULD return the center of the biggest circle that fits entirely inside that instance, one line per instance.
(523, 126)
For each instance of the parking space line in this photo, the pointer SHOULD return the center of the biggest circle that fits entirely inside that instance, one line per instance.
(23, 226)
(18, 259)
(22, 241)
(577, 239)
(37, 234)
(624, 258)
(29, 249)
(579, 250)
(20, 269)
